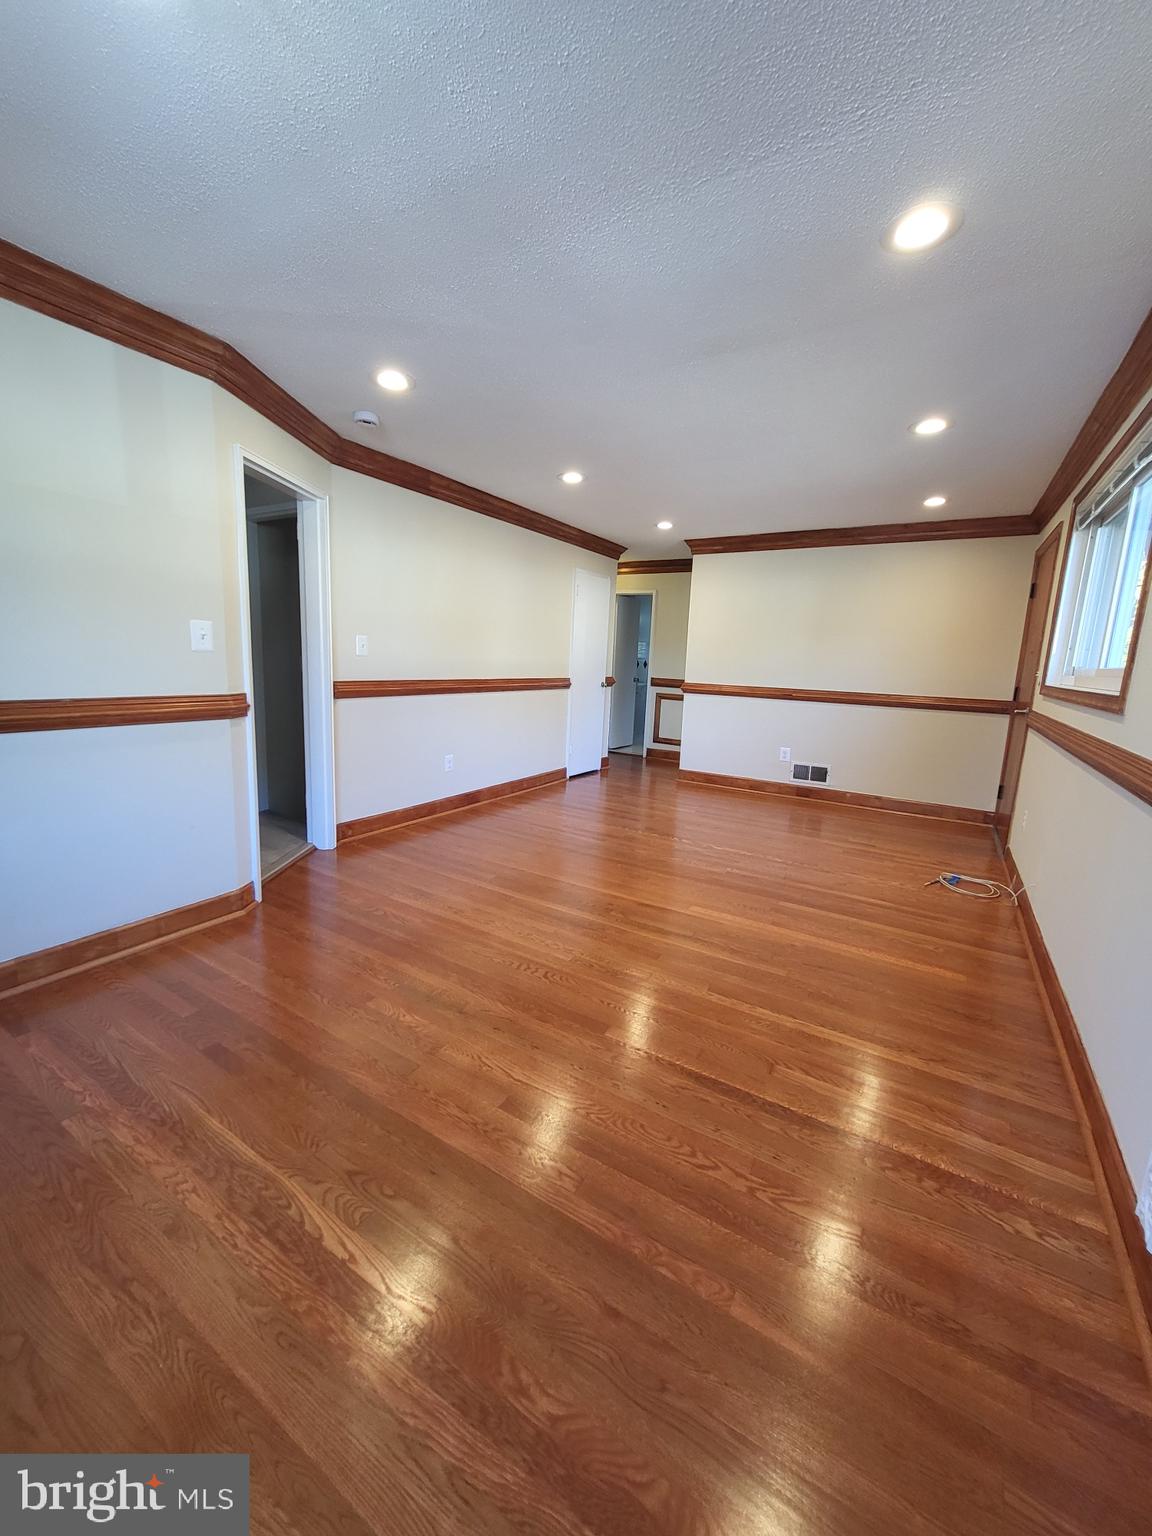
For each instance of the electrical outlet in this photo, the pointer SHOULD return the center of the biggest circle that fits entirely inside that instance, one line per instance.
(785, 754)
(361, 645)
(449, 762)
(1023, 820)
(201, 632)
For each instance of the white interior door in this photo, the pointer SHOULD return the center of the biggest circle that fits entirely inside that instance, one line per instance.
(591, 607)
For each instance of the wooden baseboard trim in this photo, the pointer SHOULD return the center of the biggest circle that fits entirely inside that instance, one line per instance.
(1117, 1194)
(663, 755)
(604, 764)
(46, 965)
(88, 714)
(838, 797)
(364, 826)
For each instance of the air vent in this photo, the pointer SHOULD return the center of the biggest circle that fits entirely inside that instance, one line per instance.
(813, 772)
(818, 775)
(801, 771)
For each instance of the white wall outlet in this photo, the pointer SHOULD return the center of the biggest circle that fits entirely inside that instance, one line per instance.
(449, 762)
(785, 754)
(1023, 820)
(201, 631)
(361, 645)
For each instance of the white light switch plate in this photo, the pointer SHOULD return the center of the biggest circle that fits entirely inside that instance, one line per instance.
(361, 645)
(785, 754)
(201, 631)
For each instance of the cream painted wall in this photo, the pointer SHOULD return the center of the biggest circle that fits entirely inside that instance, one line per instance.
(441, 592)
(1084, 849)
(673, 592)
(108, 550)
(940, 619)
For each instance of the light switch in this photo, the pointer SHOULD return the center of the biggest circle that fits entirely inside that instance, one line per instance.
(361, 645)
(201, 634)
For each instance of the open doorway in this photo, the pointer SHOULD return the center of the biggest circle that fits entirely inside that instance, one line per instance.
(272, 525)
(629, 719)
(286, 632)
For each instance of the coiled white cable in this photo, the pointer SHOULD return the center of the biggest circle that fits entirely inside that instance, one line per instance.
(991, 889)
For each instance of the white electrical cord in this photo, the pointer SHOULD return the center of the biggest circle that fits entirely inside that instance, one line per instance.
(991, 889)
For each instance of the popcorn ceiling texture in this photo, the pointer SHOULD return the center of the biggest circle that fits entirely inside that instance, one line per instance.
(641, 237)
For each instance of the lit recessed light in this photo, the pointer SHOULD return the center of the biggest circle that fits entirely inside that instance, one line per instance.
(930, 426)
(393, 380)
(921, 227)
(571, 477)
(664, 527)
(935, 501)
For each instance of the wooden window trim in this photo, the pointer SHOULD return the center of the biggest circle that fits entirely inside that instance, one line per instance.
(1089, 698)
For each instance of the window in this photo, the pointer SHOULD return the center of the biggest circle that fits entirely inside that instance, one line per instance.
(1102, 593)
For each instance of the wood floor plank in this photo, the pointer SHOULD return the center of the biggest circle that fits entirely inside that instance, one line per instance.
(633, 1158)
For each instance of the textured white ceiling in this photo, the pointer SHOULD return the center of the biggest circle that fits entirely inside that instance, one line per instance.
(641, 237)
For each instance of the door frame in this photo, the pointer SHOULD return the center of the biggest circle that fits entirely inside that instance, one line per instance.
(655, 596)
(316, 652)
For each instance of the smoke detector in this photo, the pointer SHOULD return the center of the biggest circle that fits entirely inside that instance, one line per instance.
(366, 418)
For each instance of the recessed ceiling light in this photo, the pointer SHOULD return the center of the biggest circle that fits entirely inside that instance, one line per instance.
(935, 501)
(930, 426)
(664, 527)
(393, 380)
(921, 227)
(571, 477)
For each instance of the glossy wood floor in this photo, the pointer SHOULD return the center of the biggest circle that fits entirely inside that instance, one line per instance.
(625, 1158)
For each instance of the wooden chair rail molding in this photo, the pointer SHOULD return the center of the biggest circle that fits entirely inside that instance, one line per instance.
(666, 682)
(1127, 769)
(1117, 1195)
(836, 696)
(41, 285)
(398, 687)
(80, 714)
(846, 797)
(654, 568)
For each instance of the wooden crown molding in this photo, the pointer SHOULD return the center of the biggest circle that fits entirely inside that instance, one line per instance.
(81, 954)
(386, 821)
(828, 796)
(81, 714)
(1118, 399)
(884, 700)
(654, 568)
(1127, 769)
(875, 533)
(37, 284)
(398, 687)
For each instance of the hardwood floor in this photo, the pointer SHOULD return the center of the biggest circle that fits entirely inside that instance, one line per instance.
(630, 1157)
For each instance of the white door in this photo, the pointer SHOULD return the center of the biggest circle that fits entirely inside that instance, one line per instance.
(591, 606)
